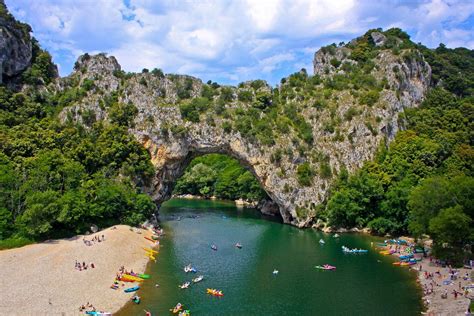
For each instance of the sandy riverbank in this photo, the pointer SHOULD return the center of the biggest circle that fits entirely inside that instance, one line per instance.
(433, 287)
(41, 279)
(436, 305)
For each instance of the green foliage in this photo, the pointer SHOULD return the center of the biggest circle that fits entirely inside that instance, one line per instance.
(423, 183)
(370, 97)
(304, 174)
(191, 110)
(263, 100)
(42, 69)
(257, 84)
(56, 179)
(122, 113)
(335, 62)
(325, 170)
(245, 96)
(220, 176)
(452, 230)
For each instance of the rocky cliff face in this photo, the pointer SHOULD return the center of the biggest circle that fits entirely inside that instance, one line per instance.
(295, 139)
(15, 45)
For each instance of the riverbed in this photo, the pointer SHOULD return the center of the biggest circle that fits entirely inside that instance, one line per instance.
(362, 284)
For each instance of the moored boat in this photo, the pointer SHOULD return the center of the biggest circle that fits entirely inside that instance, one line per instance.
(132, 289)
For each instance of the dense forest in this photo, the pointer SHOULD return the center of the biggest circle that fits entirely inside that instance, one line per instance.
(422, 184)
(219, 176)
(56, 179)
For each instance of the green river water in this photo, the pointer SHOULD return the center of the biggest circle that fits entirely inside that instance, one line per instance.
(364, 284)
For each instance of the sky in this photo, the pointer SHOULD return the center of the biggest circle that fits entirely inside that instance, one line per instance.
(231, 41)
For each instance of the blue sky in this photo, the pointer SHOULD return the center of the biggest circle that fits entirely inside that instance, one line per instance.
(230, 41)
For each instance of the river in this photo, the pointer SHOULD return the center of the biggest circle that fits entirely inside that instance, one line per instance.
(363, 284)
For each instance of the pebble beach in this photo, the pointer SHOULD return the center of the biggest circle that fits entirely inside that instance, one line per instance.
(41, 279)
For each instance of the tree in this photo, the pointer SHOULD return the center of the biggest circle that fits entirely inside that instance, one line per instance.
(451, 230)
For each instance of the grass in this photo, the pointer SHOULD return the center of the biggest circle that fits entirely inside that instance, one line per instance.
(15, 242)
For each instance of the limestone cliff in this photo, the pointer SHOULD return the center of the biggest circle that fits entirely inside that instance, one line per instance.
(15, 45)
(294, 138)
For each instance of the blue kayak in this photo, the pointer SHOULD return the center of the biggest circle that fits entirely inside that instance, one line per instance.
(132, 289)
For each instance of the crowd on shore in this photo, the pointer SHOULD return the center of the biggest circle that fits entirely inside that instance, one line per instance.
(446, 290)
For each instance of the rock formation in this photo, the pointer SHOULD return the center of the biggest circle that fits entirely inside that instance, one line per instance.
(15, 45)
(360, 124)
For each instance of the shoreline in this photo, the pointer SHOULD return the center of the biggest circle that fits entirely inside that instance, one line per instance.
(238, 202)
(431, 277)
(41, 279)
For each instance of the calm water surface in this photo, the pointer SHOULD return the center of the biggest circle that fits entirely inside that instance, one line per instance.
(362, 285)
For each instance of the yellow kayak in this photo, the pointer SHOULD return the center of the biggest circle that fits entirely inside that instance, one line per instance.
(150, 250)
(149, 255)
(132, 278)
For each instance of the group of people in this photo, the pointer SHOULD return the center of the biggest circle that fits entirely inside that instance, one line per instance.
(83, 266)
(453, 275)
(88, 307)
(95, 239)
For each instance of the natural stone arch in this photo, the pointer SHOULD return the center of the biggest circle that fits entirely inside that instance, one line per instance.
(171, 164)
(172, 140)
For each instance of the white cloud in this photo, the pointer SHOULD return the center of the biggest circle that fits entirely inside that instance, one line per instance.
(231, 40)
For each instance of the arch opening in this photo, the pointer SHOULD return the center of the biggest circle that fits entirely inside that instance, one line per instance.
(215, 174)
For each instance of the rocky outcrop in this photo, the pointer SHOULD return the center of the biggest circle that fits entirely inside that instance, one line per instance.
(15, 45)
(344, 131)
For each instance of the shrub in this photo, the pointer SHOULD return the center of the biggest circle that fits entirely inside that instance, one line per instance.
(350, 113)
(370, 98)
(190, 110)
(304, 174)
(325, 169)
(122, 113)
(335, 62)
(245, 96)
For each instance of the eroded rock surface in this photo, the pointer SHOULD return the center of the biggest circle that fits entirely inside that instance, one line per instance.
(173, 140)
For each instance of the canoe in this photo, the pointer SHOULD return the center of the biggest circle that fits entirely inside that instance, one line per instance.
(149, 250)
(132, 277)
(215, 292)
(132, 289)
(144, 276)
(325, 267)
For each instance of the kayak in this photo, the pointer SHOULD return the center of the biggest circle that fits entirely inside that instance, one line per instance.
(184, 313)
(132, 289)
(396, 263)
(98, 313)
(177, 308)
(144, 276)
(326, 267)
(136, 300)
(148, 238)
(215, 292)
(152, 257)
(198, 279)
(408, 263)
(132, 277)
(149, 250)
(406, 257)
(184, 285)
